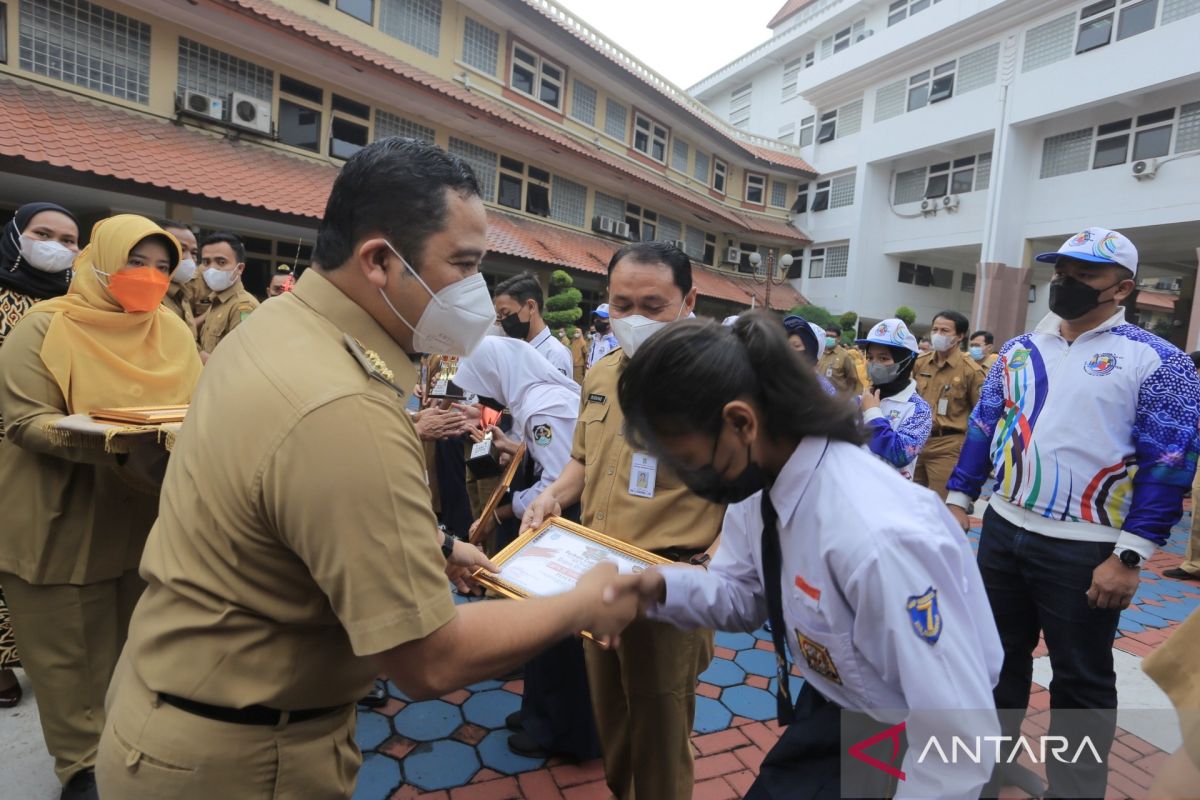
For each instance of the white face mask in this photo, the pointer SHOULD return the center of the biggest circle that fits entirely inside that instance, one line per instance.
(46, 255)
(185, 271)
(456, 319)
(219, 280)
(632, 332)
(942, 342)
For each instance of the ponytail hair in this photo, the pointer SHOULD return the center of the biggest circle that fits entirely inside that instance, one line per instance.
(683, 376)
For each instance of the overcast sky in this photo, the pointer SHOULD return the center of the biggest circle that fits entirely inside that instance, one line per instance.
(683, 40)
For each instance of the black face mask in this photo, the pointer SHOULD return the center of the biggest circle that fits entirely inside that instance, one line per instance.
(707, 484)
(601, 326)
(491, 403)
(514, 328)
(1071, 299)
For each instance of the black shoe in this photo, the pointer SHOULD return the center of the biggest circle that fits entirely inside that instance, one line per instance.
(524, 745)
(377, 698)
(1180, 574)
(516, 675)
(82, 786)
(513, 721)
(1024, 779)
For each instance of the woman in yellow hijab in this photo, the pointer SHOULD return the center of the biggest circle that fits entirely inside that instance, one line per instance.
(76, 518)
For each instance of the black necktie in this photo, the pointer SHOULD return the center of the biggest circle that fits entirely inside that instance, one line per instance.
(772, 561)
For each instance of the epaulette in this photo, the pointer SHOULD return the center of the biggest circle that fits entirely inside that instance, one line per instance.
(372, 364)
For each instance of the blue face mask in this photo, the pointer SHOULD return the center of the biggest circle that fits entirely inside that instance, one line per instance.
(976, 353)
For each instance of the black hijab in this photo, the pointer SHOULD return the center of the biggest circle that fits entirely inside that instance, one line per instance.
(796, 325)
(17, 275)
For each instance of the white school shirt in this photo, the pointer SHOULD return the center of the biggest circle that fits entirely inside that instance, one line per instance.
(602, 345)
(554, 351)
(884, 606)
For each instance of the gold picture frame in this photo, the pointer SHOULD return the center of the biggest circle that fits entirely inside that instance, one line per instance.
(549, 557)
(487, 518)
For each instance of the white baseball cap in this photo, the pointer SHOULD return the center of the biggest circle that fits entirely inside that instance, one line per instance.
(891, 333)
(1098, 245)
(601, 311)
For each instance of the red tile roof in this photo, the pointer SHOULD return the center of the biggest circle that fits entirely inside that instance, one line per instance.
(789, 9)
(539, 241)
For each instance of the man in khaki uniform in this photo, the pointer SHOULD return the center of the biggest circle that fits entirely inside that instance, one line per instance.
(950, 381)
(285, 573)
(579, 350)
(178, 297)
(223, 259)
(837, 365)
(643, 692)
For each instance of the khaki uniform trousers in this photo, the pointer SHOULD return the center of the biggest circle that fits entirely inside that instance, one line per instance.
(937, 460)
(1191, 558)
(70, 638)
(644, 699)
(154, 751)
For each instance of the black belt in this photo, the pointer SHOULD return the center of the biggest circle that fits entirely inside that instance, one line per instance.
(250, 715)
(680, 554)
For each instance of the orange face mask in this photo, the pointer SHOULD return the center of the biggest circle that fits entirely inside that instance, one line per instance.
(139, 288)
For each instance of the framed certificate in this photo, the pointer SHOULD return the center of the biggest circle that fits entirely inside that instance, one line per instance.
(550, 560)
(487, 518)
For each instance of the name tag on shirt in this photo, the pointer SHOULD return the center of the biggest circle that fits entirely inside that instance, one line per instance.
(943, 406)
(829, 372)
(641, 477)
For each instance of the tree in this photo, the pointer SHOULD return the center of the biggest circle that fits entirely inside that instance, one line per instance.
(562, 306)
(814, 314)
(907, 315)
(847, 321)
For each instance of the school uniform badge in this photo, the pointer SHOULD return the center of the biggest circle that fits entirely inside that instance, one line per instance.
(1018, 359)
(543, 435)
(926, 618)
(817, 657)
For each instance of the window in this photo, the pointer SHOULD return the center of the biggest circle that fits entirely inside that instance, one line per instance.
(1188, 137)
(1175, 10)
(299, 125)
(746, 248)
(669, 230)
(791, 74)
(1049, 42)
(939, 180)
(922, 275)
(979, 68)
(801, 204)
(679, 155)
(828, 127)
(1112, 144)
(889, 100)
(910, 186)
(643, 223)
(1136, 17)
(305, 91)
(700, 167)
(816, 262)
(841, 40)
(388, 124)
(931, 86)
(967, 282)
(363, 10)
(608, 206)
(837, 261)
(481, 47)
(719, 173)
(86, 45)
(710, 249)
(537, 192)
(346, 138)
(536, 77)
(983, 172)
(1066, 153)
(649, 138)
(901, 10)
(850, 117)
(821, 198)
(756, 188)
(739, 107)
(521, 187)
(1095, 26)
(568, 202)
(693, 243)
(841, 191)
(583, 103)
(943, 278)
(779, 194)
(807, 128)
(787, 132)
(1153, 136)
(211, 72)
(414, 22)
(962, 176)
(482, 163)
(615, 116)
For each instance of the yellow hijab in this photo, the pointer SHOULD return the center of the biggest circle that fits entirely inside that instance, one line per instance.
(102, 356)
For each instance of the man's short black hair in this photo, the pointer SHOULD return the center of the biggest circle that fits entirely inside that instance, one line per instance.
(663, 253)
(960, 322)
(395, 188)
(988, 336)
(833, 328)
(239, 249)
(522, 288)
(167, 224)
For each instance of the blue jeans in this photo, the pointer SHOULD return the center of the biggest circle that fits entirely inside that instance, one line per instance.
(1038, 584)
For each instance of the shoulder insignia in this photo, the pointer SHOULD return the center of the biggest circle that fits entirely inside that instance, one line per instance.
(925, 616)
(244, 311)
(543, 435)
(372, 364)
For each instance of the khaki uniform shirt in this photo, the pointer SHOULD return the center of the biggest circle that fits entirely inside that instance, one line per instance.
(988, 360)
(952, 389)
(1173, 668)
(70, 514)
(838, 366)
(228, 309)
(277, 566)
(672, 518)
(176, 299)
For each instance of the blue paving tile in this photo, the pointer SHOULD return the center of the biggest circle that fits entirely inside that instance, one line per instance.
(424, 722)
(1141, 616)
(484, 686)
(372, 729)
(795, 682)
(1129, 627)
(762, 634)
(378, 777)
(488, 709)
(734, 641)
(395, 692)
(722, 672)
(1175, 612)
(711, 716)
(749, 702)
(757, 662)
(494, 753)
(441, 765)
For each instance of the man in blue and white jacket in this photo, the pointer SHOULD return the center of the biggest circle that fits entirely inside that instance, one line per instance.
(1090, 427)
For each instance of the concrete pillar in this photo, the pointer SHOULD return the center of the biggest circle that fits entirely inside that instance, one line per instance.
(1193, 329)
(1001, 299)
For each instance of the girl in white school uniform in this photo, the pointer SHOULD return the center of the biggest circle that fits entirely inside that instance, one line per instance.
(868, 583)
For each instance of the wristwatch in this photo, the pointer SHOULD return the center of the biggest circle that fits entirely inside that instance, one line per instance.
(448, 544)
(1130, 558)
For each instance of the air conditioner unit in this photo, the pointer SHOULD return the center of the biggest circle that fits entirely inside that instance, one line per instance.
(622, 230)
(680, 244)
(929, 205)
(733, 255)
(864, 35)
(250, 112)
(1145, 169)
(950, 202)
(204, 105)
